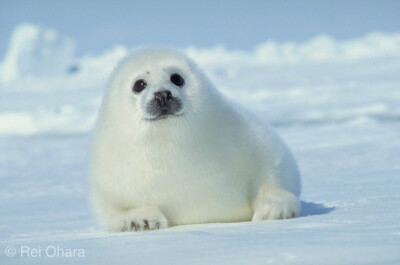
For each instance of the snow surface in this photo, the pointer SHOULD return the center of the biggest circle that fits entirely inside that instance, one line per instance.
(336, 103)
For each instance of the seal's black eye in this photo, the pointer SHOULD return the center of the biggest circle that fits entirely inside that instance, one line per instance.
(177, 80)
(139, 85)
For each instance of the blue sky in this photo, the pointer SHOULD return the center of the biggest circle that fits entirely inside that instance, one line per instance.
(97, 25)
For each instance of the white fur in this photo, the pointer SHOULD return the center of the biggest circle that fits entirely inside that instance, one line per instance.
(215, 162)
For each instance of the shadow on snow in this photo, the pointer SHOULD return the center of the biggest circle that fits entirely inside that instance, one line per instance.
(310, 208)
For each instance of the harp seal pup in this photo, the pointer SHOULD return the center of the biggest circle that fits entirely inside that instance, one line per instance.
(169, 149)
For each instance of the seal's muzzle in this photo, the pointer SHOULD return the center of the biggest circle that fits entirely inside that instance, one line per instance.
(163, 104)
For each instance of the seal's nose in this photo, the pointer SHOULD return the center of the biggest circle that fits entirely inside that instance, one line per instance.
(162, 97)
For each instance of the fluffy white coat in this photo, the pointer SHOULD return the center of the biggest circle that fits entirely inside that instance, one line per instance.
(215, 162)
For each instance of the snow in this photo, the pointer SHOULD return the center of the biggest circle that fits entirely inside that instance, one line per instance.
(36, 51)
(335, 102)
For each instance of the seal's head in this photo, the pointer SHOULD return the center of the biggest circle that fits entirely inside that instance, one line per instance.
(156, 84)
